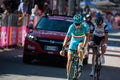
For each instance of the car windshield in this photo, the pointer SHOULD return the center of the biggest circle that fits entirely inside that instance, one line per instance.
(53, 25)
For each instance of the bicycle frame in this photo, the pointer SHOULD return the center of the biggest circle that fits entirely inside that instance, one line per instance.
(75, 68)
(97, 62)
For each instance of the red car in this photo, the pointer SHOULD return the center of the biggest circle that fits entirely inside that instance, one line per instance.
(45, 41)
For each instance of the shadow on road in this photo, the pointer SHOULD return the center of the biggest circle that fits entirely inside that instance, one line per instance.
(11, 64)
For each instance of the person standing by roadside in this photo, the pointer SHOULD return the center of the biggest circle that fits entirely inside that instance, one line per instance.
(47, 10)
(23, 7)
(22, 12)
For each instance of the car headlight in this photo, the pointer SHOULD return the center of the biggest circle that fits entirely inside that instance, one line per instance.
(31, 37)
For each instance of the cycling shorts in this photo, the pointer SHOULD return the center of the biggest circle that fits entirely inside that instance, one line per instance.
(97, 40)
(70, 52)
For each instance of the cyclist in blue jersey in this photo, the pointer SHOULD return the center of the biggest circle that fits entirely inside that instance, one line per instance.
(78, 36)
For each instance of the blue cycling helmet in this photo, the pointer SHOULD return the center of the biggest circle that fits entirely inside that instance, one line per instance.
(77, 19)
(98, 14)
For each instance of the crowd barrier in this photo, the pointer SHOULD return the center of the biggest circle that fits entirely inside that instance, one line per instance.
(12, 34)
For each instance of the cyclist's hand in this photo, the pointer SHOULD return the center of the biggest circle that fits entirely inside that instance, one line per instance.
(105, 45)
(62, 52)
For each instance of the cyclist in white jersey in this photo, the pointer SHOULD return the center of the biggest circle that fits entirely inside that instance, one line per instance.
(100, 37)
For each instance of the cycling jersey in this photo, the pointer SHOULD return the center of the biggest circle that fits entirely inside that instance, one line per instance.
(77, 35)
(90, 24)
(100, 32)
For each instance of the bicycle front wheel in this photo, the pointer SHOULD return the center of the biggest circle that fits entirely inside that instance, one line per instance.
(97, 67)
(71, 71)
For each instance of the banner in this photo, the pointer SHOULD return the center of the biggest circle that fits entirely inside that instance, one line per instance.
(22, 32)
(4, 36)
(12, 36)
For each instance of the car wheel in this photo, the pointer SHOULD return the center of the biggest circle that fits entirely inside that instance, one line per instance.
(27, 59)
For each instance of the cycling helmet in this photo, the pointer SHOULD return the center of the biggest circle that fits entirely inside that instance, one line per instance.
(77, 19)
(88, 17)
(98, 14)
(99, 20)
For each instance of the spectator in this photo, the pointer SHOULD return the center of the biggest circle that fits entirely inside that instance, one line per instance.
(55, 12)
(12, 5)
(77, 10)
(36, 15)
(35, 12)
(40, 4)
(23, 7)
(47, 10)
(1, 8)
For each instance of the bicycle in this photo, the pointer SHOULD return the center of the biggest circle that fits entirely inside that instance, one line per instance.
(75, 69)
(97, 63)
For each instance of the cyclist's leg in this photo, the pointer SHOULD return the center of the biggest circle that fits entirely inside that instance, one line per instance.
(92, 67)
(103, 50)
(80, 53)
(103, 47)
(96, 41)
(69, 55)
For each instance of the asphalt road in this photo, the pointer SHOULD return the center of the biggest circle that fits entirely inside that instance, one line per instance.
(12, 67)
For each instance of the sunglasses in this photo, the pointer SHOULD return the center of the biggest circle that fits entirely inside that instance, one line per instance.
(77, 24)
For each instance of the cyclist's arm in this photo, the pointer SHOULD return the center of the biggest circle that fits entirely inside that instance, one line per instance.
(106, 38)
(91, 30)
(86, 40)
(66, 40)
(106, 34)
(86, 36)
(68, 36)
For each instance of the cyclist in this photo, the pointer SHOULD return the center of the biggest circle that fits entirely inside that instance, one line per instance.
(88, 19)
(78, 36)
(100, 37)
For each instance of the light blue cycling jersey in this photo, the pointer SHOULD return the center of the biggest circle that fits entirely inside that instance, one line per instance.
(79, 33)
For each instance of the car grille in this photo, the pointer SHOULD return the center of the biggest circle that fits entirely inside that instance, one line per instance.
(50, 42)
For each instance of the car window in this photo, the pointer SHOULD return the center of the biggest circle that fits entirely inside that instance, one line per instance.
(53, 25)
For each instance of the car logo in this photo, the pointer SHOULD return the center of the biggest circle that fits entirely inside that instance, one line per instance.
(51, 41)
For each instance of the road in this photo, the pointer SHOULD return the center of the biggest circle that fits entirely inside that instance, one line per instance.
(12, 67)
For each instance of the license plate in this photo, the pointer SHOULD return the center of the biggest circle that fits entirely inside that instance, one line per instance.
(52, 48)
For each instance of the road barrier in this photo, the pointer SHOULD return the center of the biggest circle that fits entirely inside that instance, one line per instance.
(10, 32)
